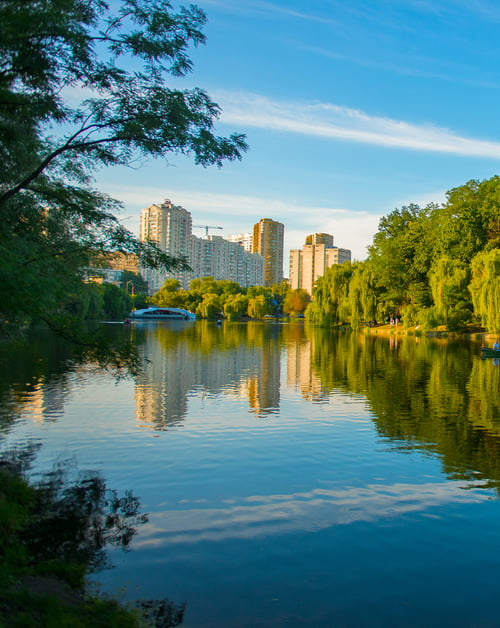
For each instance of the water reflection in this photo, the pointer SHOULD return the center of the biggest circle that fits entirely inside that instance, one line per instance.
(274, 515)
(431, 394)
(178, 359)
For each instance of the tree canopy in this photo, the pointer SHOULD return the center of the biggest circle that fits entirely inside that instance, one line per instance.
(84, 85)
(430, 266)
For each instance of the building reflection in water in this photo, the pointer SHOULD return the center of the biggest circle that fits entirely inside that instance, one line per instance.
(241, 360)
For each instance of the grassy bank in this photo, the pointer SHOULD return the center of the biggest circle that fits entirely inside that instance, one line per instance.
(473, 333)
(49, 540)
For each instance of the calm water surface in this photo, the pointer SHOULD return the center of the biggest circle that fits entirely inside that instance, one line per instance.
(292, 477)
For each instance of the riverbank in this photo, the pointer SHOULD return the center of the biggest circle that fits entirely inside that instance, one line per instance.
(39, 586)
(473, 333)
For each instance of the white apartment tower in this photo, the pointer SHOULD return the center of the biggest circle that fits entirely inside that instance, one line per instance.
(169, 227)
(310, 262)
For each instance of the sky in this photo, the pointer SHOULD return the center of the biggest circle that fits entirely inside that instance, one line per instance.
(351, 110)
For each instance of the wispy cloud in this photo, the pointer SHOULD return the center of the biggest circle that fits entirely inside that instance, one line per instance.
(415, 66)
(261, 7)
(334, 122)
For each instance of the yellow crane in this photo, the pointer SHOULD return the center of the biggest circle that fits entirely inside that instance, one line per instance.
(206, 227)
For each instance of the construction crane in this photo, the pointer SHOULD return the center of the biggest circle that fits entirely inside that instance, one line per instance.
(206, 227)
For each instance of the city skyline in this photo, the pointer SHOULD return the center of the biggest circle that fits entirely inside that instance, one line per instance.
(350, 110)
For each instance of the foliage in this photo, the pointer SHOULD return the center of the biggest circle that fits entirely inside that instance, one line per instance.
(423, 266)
(209, 297)
(137, 283)
(362, 295)
(485, 288)
(210, 307)
(449, 280)
(401, 256)
(296, 301)
(330, 303)
(115, 59)
(235, 306)
(258, 306)
(51, 534)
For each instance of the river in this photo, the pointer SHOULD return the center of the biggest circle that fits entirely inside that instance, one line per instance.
(292, 476)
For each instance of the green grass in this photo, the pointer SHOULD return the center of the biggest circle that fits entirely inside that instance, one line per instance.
(20, 607)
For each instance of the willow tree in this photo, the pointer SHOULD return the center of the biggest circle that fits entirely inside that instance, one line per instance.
(449, 281)
(330, 304)
(84, 85)
(485, 288)
(362, 298)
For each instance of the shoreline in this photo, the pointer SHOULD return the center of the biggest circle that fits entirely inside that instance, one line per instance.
(440, 332)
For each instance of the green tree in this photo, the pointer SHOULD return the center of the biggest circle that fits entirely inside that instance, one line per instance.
(362, 298)
(133, 283)
(235, 306)
(449, 281)
(210, 307)
(470, 220)
(119, 58)
(485, 288)
(401, 256)
(296, 301)
(258, 306)
(330, 303)
(116, 304)
(168, 294)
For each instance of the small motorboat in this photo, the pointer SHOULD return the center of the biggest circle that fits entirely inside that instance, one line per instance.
(162, 314)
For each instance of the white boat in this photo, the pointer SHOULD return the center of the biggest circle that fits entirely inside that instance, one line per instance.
(161, 314)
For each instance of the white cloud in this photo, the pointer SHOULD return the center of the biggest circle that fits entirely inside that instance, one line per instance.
(330, 121)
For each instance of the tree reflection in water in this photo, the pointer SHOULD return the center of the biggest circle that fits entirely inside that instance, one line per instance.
(432, 394)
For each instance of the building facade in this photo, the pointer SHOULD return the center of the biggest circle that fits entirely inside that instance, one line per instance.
(267, 241)
(220, 258)
(169, 227)
(245, 239)
(310, 262)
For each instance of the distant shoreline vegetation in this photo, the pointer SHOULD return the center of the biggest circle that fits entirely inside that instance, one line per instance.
(432, 267)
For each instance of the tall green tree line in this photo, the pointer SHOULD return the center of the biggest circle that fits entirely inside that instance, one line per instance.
(431, 266)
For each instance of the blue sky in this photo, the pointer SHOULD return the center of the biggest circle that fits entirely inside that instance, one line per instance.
(351, 109)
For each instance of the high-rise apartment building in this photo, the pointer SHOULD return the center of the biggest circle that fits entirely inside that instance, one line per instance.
(245, 239)
(310, 262)
(219, 258)
(169, 226)
(268, 237)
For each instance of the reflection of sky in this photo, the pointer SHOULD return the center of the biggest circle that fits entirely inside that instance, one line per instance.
(314, 510)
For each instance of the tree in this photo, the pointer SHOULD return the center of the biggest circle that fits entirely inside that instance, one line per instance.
(362, 295)
(235, 306)
(136, 281)
(470, 220)
(449, 281)
(401, 256)
(210, 307)
(117, 58)
(296, 301)
(330, 304)
(485, 288)
(258, 306)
